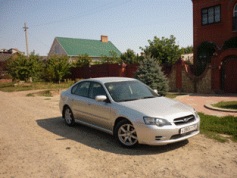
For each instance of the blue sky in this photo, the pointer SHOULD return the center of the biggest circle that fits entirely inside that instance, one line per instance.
(127, 23)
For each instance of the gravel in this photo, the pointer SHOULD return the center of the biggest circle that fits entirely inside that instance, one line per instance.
(35, 142)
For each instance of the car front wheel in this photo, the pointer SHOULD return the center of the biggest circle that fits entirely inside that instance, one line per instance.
(68, 116)
(126, 134)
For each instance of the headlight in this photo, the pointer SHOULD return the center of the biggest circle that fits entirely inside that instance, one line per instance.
(196, 114)
(156, 121)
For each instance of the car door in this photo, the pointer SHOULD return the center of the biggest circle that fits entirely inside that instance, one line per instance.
(79, 103)
(100, 111)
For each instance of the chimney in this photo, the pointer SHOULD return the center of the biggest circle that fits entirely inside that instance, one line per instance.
(104, 39)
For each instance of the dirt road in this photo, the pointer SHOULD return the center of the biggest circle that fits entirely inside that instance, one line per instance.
(35, 142)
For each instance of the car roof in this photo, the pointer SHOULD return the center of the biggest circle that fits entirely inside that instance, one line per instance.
(110, 79)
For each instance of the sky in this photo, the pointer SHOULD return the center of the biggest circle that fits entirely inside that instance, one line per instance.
(129, 24)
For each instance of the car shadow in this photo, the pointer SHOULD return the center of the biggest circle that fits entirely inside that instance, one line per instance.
(90, 137)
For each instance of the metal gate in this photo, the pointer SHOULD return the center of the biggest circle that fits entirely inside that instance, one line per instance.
(229, 75)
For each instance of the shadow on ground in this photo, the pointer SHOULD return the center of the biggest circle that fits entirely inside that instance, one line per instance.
(99, 140)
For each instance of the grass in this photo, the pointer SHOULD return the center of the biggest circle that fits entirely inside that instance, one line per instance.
(173, 95)
(219, 128)
(45, 93)
(12, 87)
(226, 105)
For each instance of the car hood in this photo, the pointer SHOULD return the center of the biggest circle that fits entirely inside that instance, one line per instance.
(160, 107)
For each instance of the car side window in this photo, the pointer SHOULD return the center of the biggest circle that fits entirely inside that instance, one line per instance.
(81, 89)
(96, 89)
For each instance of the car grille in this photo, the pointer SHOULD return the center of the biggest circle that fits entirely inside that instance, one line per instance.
(184, 120)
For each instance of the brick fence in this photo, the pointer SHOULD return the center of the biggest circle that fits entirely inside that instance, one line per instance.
(104, 70)
(181, 79)
(179, 75)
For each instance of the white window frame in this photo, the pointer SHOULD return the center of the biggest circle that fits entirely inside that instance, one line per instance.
(211, 15)
(235, 11)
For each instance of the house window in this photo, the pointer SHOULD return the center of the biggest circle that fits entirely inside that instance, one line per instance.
(211, 15)
(235, 18)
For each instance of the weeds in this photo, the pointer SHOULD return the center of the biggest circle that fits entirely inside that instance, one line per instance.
(216, 127)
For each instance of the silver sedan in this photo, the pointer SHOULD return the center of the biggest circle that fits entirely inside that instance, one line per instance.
(129, 110)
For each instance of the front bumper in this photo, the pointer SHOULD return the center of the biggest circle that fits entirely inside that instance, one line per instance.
(154, 135)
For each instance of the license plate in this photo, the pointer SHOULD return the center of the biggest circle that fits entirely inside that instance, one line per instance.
(188, 129)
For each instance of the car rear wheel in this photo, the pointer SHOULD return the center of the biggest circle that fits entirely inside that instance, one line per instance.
(68, 116)
(126, 134)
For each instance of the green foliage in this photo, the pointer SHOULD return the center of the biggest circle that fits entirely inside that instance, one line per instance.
(112, 59)
(204, 54)
(83, 60)
(129, 57)
(186, 50)
(231, 43)
(164, 50)
(150, 73)
(23, 67)
(213, 125)
(57, 67)
(205, 51)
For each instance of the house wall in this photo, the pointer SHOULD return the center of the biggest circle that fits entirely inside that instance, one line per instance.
(213, 32)
(56, 49)
(217, 33)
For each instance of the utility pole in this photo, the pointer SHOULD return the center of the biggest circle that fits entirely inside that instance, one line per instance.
(26, 36)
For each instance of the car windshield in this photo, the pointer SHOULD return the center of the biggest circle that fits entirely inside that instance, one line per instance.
(129, 90)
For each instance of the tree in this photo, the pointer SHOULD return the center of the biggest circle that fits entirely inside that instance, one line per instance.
(150, 73)
(112, 59)
(231, 43)
(187, 50)
(83, 60)
(129, 57)
(164, 50)
(23, 67)
(57, 67)
(205, 52)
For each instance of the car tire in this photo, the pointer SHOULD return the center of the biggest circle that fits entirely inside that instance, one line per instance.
(68, 116)
(126, 134)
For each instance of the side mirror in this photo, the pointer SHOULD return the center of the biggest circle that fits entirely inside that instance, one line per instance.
(100, 98)
(156, 91)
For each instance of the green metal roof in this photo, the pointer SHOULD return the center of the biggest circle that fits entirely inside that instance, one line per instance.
(94, 48)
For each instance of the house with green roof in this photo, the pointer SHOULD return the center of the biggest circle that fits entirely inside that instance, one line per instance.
(74, 47)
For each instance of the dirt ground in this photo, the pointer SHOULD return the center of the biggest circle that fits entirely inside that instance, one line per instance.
(35, 142)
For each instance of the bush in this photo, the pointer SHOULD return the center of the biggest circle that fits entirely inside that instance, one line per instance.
(57, 67)
(23, 67)
(83, 60)
(150, 73)
(129, 57)
(231, 43)
(204, 54)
